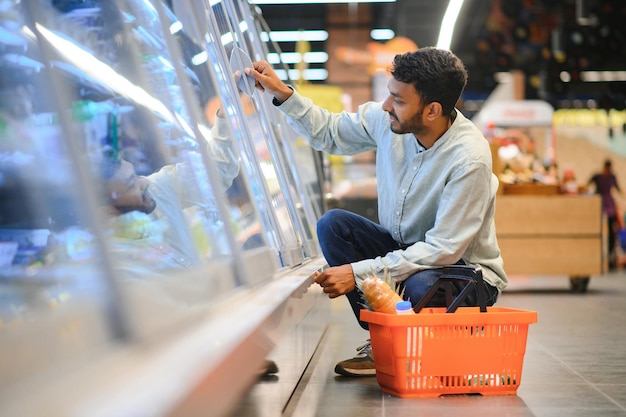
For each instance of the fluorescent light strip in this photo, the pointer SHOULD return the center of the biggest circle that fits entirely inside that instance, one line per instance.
(176, 27)
(295, 57)
(448, 23)
(382, 34)
(595, 76)
(309, 74)
(200, 58)
(295, 35)
(317, 1)
(227, 38)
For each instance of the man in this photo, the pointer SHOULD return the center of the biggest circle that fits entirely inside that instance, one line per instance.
(436, 189)
(604, 183)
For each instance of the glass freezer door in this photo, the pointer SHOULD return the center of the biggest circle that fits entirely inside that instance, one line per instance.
(224, 48)
(281, 139)
(207, 89)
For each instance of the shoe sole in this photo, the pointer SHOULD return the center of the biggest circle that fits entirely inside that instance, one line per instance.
(269, 368)
(356, 372)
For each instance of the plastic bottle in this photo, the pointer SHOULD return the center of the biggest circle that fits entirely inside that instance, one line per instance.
(404, 307)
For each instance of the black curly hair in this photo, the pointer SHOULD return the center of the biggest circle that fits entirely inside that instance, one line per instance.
(437, 75)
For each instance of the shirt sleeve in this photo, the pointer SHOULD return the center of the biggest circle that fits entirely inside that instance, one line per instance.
(222, 152)
(342, 133)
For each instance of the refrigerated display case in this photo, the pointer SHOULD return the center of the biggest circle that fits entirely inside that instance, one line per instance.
(134, 214)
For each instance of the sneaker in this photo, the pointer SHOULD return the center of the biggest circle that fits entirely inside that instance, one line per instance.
(268, 367)
(361, 365)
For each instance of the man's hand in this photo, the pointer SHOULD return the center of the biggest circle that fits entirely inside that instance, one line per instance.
(267, 80)
(336, 280)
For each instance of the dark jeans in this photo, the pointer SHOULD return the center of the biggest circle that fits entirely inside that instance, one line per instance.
(611, 239)
(347, 237)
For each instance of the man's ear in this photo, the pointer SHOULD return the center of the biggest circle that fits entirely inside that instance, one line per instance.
(433, 111)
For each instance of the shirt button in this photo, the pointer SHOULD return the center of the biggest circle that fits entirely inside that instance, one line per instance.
(415, 168)
(397, 213)
(403, 191)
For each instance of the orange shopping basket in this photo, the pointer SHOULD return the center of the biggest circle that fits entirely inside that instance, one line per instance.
(453, 350)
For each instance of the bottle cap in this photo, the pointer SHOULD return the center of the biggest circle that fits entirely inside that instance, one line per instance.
(403, 306)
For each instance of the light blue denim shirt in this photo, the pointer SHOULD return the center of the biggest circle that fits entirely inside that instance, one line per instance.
(439, 201)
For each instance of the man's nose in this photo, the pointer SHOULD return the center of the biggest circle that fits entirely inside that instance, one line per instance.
(386, 104)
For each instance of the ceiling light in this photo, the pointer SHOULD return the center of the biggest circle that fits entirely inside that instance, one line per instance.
(448, 23)
(295, 57)
(309, 74)
(382, 34)
(317, 1)
(603, 76)
(296, 35)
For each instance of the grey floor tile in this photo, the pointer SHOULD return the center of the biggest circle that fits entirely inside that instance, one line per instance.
(616, 392)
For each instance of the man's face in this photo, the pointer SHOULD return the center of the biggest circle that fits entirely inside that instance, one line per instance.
(405, 108)
(130, 192)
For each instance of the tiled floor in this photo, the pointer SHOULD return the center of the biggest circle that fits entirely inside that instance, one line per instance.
(575, 363)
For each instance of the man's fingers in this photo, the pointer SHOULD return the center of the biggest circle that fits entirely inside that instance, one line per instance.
(257, 76)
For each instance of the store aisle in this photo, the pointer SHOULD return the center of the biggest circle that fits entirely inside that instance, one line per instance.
(575, 363)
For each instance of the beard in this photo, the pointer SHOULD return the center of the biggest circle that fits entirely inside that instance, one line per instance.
(147, 204)
(414, 125)
(144, 208)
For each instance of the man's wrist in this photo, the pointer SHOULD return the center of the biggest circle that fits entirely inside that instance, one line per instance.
(280, 98)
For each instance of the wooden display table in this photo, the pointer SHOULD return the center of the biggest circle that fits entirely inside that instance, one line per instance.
(530, 189)
(552, 235)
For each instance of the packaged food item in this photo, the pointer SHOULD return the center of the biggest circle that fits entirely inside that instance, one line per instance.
(379, 295)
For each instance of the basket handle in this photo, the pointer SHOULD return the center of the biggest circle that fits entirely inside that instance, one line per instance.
(473, 276)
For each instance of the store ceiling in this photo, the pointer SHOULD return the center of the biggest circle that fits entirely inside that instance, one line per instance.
(502, 35)
(414, 19)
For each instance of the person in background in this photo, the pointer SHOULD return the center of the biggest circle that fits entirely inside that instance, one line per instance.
(436, 188)
(603, 184)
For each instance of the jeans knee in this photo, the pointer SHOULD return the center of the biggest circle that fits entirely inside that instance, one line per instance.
(328, 220)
